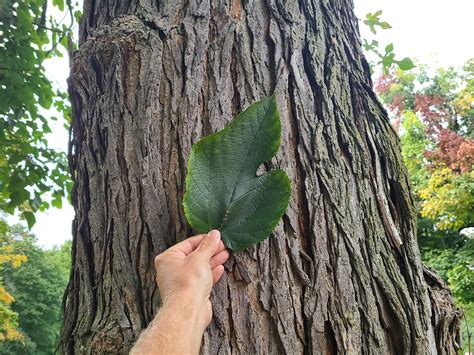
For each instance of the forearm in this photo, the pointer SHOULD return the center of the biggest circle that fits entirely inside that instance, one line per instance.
(175, 330)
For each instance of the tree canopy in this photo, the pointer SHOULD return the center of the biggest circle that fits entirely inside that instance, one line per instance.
(32, 176)
(37, 279)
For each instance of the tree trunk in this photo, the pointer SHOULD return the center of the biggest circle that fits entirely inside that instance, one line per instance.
(340, 274)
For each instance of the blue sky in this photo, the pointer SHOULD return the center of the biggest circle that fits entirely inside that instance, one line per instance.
(437, 33)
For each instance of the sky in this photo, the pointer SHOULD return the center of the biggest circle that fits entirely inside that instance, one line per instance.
(435, 32)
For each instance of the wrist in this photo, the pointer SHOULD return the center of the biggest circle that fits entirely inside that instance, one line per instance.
(180, 325)
(182, 307)
(185, 303)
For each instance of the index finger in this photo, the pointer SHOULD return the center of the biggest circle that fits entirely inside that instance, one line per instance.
(188, 245)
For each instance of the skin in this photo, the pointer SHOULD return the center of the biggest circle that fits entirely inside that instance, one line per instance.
(185, 274)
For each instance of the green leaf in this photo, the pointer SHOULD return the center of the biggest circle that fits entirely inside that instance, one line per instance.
(388, 60)
(405, 64)
(57, 200)
(389, 48)
(30, 218)
(18, 197)
(77, 16)
(385, 25)
(222, 189)
(64, 42)
(59, 4)
(45, 101)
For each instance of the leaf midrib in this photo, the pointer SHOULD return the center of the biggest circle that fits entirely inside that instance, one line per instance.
(240, 172)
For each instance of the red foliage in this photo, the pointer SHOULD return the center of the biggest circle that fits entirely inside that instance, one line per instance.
(384, 83)
(382, 87)
(432, 110)
(398, 105)
(453, 150)
(435, 111)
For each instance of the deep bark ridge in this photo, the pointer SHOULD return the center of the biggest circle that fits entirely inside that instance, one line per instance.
(342, 271)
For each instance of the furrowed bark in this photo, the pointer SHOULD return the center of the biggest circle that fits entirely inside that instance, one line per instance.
(340, 274)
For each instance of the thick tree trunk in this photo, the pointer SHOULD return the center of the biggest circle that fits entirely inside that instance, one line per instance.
(342, 271)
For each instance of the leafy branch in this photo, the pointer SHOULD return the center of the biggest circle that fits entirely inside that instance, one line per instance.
(386, 56)
(32, 176)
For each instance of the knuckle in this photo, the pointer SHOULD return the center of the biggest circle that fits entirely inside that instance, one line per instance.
(206, 243)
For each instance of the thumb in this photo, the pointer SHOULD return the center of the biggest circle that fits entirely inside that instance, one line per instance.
(209, 244)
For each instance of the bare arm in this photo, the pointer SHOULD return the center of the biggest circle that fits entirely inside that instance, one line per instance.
(185, 275)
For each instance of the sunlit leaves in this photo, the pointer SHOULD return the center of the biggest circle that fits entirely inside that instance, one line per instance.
(455, 266)
(77, 15)
(8, 323)
(414, 143)
(448, 199)
(461, 277)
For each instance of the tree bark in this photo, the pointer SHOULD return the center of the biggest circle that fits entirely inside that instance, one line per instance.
(340, 274)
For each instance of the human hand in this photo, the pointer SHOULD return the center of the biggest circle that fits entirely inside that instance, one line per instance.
(186, 272)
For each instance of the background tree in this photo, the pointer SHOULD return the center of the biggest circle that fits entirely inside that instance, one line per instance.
(9, 256)
(38, 285)
(341, 273)
(434, 113)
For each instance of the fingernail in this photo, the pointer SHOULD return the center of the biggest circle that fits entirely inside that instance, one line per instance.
(215, 235)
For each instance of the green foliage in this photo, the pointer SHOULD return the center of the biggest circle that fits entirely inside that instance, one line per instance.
(467, 323)
(29, 170)
(222, 189)
(463, 101)
(414, 143)
(452, 259)
(404, 64)
(37, 286)
(461, 278)
(451, 255)
(387, 56)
